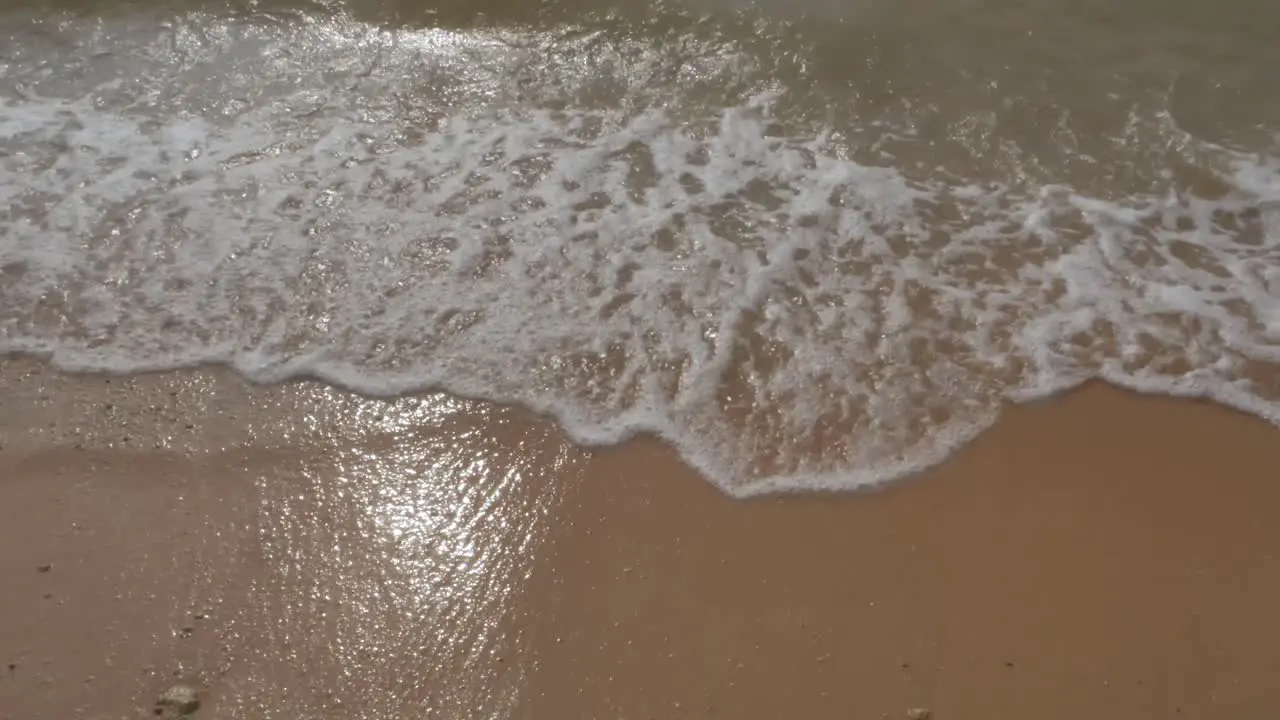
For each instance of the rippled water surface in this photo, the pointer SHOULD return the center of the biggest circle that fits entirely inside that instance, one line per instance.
(813, 244)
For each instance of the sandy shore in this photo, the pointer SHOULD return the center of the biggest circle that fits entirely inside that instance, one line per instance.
(297, 552)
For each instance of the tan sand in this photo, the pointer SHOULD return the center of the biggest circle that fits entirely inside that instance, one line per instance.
(302, 553)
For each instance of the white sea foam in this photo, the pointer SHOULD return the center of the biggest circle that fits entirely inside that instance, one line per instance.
(787, 317)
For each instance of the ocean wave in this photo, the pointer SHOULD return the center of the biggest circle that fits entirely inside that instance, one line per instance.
(750, 288)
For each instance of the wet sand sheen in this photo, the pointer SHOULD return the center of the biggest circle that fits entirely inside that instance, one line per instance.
(1100, 555)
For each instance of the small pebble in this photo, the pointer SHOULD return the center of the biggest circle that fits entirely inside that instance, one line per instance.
(44, 568)
(919, 714)
(183, 698)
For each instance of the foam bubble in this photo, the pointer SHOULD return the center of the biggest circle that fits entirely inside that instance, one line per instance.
(787, 317)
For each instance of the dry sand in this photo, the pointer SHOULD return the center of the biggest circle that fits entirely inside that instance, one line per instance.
(298, 552)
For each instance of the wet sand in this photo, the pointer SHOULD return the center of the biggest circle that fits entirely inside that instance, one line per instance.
(300, 552)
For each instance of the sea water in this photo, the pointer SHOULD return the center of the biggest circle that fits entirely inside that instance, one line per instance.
(813, 245)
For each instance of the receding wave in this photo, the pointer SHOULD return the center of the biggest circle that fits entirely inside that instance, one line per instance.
(793, 300)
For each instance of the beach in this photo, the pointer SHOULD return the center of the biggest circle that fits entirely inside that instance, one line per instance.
(1101, 554)
(608, 359)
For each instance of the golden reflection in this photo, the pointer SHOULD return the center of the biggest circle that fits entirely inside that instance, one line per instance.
(399, 546)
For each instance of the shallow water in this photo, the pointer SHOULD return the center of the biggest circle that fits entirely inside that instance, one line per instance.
(813, 244)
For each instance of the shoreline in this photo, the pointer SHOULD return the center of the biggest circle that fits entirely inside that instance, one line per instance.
(1102, 554)
(25, 364)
